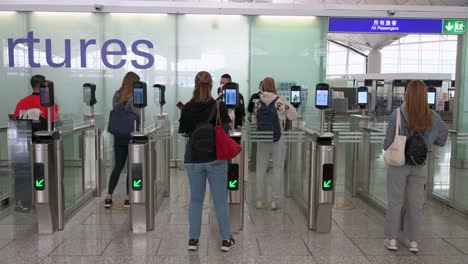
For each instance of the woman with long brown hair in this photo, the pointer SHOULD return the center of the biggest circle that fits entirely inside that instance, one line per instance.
(200, 160)
(405, 184)
(123, 98)
(276, 150)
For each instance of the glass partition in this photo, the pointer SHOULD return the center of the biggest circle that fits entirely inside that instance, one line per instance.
(73, 170)
(292, 50)
(6, 186)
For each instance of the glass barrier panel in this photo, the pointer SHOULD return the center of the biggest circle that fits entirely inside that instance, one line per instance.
(460, 182)
(6, 184)
(443, 173)
(73, 181)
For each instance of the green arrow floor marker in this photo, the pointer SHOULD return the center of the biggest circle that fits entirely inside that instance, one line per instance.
(232, 184)
(137, 183)
(40, 183)
(326, 184)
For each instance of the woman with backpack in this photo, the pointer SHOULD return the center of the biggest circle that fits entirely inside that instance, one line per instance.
(270, 114)
(197, 121)
(123, 99)
(406, 184)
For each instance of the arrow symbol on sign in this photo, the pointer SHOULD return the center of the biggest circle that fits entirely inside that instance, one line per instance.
(326, 184)
(449, 26)
(232, 184)
(136, 183)
(40, 183)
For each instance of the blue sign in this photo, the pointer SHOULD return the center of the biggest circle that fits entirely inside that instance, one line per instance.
(385, 25)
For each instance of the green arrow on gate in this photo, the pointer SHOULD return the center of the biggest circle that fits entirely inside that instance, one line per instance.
(137, 183)
(40, 183)
(232, 184)
(326, 184)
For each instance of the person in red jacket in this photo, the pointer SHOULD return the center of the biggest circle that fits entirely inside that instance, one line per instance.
(29, 108)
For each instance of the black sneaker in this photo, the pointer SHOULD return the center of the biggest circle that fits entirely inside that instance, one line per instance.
(193, 244)
(108, 203)
(127, 203)
(227, 245)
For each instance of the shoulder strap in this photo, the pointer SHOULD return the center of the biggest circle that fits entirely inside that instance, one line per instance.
(213, 112)
(398, 123)
(218, 116)
(274, 101)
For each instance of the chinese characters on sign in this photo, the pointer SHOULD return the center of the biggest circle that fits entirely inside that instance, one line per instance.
(397, 25)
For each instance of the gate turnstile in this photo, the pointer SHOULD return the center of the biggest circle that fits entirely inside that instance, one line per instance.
(321, 183)
(48, 170)
(141, 171)
(48, 181)
(48, 162)
(322, 175)
(236, 186)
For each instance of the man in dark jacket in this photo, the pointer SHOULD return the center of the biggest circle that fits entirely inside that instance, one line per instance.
(255, 97)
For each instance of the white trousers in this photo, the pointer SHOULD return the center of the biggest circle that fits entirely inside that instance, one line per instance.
(277, 152)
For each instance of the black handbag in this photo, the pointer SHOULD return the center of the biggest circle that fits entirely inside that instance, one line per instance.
(122, 122)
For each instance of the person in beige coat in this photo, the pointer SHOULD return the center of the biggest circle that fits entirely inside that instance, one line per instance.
(275, 150)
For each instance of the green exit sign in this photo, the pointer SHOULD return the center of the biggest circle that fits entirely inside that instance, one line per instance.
(454, 26)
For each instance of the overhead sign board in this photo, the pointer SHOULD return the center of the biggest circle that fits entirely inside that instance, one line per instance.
(396, 25)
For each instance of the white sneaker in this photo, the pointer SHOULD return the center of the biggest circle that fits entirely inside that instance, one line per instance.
(391, 244)
(260, 205)
(413, 246)
(275, 204)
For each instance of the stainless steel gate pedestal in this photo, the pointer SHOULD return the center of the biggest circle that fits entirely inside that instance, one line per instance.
(141, 183)
(236, 194)
(48, 181)
(321, 183)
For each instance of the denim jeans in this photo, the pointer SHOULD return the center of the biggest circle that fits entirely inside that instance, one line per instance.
(216, 172)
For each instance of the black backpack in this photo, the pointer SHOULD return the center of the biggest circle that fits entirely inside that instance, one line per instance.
(415, 150)
(268, 120)
(203, 140)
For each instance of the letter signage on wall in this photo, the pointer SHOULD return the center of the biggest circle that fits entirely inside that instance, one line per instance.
(396, 25)
(113, 52)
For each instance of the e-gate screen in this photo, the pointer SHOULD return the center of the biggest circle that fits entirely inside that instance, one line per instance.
(322, 98)
(231, 97)
(44, 95)
(362, 97)
(138, 96)
(87, 95)
(295, 97)
(431, 98)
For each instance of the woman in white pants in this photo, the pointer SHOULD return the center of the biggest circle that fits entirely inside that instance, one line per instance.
(277, 150)
(405, 184)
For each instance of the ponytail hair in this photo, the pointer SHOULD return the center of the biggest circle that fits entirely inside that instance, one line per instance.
(203, 85)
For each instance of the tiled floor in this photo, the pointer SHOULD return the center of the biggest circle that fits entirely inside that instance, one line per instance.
(98, 235)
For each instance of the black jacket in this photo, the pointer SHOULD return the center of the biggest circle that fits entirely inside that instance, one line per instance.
(240, 111)
(194, 113)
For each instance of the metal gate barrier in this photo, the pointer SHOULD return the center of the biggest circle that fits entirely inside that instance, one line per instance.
(48, 165)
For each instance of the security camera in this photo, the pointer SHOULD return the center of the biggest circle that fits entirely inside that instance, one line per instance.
(98, 8)
(391, 12)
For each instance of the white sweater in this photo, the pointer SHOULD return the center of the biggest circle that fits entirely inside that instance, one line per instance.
(284, 108)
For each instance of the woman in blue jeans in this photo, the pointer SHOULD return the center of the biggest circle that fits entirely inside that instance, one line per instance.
(201, 163)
